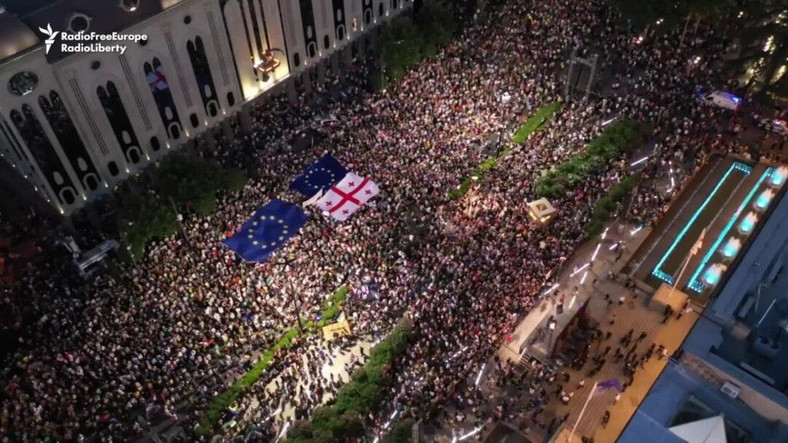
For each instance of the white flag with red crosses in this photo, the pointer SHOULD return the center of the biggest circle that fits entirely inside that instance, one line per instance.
(344, 198)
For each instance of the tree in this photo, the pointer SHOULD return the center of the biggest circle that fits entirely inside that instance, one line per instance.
(437, 25)
(144, 218)
(761, 26)
(401, 46)
(192, 181)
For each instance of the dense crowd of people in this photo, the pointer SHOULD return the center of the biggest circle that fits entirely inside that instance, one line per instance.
(117, 353)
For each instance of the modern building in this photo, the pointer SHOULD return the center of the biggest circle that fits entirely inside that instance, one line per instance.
(730, 377)
(74, 124)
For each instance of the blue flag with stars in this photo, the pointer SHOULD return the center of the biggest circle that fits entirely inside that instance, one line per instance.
(269, 228)
(320, 176)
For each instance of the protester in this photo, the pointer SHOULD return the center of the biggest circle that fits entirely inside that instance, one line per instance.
(116, 354)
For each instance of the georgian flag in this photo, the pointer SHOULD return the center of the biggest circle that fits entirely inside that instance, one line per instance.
(344, 198)
(156, 80)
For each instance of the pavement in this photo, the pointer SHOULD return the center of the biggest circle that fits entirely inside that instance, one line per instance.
(336, 367)
(577, 286)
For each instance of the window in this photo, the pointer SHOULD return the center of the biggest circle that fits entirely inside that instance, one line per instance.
(339, 15)
(311, 49)
(155, 145)
(118, 118)
(202, 76)
(380, 10)
(326, 42)
(134, 156)
(95, 65)
(22, 83)
(79, 23)
(66, 133)
(175, 131)
(340, 32)
(129, 5)
(193, 119)
(187, 19)
(230, 99)
(296, 59)
(113, 168)
(68, 196)
(91, 182)
(160, 89)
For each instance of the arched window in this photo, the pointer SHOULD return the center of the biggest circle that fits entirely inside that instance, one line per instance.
(202, 75)
(119, 121)
(162, 95)
(69, 139)
(41, 149)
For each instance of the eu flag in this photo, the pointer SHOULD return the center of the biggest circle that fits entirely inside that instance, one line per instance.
(326, 172)
(269, 228)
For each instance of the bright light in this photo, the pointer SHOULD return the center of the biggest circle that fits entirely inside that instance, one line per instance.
(713, 274)
(637, 162)
(572, 302)
(635, 231)
(748, 223)
(769, 45)
(604, 234)
(579, 270)
(731, 247)
(479, 377)
(596, 251)
(764, 199)
(583, 280)
(778, 176)
(471, 434)
(553, 288)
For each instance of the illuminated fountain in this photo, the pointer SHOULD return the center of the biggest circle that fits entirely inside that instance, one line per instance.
(731, 248)
(778, 176)
(764, 199)
(748, 223)
(713, 274)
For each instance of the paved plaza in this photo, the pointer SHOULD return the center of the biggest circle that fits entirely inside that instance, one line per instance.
(525, 341)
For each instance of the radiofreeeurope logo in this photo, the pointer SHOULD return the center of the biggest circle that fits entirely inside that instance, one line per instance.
(90, 41)
(50, 37)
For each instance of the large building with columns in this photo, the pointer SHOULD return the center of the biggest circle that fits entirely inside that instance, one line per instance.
(74, 125)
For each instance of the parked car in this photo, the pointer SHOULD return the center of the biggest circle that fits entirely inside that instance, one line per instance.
(721, 99)
(774, 125)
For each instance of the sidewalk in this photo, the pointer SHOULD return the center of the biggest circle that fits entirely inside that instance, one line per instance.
(605, 262)
(633, 313)
(336, 367)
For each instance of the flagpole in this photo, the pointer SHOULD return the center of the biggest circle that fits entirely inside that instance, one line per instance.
(695, 248)
(582, 411)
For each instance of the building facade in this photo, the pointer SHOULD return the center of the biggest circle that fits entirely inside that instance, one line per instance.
(74, 125)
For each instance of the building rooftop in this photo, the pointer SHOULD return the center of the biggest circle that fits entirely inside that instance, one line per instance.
(678, 397)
